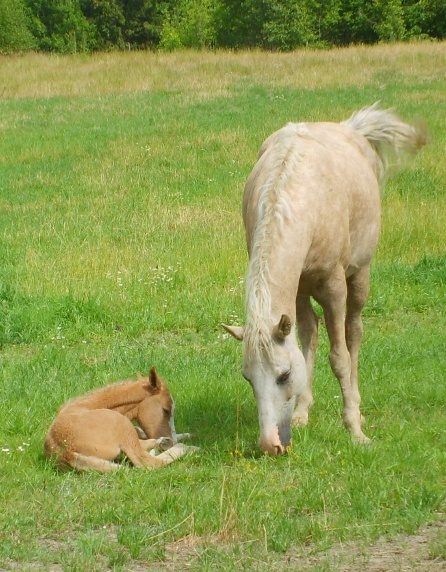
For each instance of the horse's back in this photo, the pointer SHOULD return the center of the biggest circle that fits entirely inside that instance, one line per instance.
(319, 161)
(326, 176)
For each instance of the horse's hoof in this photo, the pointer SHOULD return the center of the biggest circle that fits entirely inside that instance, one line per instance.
(362, 440)
(300, 420)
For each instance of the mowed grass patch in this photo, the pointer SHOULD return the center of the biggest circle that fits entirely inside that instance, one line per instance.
(122, 246)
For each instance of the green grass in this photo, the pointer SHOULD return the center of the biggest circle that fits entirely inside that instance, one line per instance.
(122, 246)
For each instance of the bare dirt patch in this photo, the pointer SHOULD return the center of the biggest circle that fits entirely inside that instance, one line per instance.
(401, 554)
(404, 553)
(424, 551)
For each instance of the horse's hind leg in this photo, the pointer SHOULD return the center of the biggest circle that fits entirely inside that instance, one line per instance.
(308, 335)
(357, 292)
(332, 296)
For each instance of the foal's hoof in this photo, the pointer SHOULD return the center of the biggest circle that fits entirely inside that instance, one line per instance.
(164, 443)
(192, 449)
(186, 449)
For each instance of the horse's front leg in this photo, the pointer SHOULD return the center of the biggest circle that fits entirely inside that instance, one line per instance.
(307, 323)
(332, 296)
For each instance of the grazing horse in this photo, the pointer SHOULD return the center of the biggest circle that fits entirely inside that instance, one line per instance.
(311, 210)
(90, 431)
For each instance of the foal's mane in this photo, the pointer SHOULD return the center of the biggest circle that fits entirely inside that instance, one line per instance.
(273, 211)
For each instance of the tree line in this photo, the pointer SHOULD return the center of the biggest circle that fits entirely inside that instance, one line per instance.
(71, 26)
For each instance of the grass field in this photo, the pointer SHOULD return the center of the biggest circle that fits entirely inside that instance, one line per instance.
(122, 246)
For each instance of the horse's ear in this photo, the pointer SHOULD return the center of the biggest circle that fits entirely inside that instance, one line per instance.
(283, 328)
(236, 331)
(155, 381)
(139, 376)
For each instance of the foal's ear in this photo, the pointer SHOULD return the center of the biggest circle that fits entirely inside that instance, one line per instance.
(155, 381)
(236, 331)
(283, 328)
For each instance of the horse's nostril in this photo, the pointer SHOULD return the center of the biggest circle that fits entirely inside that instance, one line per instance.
(279, 450)
(274, 450)
(271, 444)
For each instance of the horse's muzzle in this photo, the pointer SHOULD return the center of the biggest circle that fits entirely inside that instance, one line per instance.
(275, 442)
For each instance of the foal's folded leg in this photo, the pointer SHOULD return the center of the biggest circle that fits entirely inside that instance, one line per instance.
(134, 449)
(175, 452)
(140, 432)
(162, 444)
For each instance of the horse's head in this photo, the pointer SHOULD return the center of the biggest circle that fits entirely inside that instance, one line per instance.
(275, 368)
(156, 410)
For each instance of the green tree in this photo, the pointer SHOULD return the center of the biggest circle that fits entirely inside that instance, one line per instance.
(388, 20)
(288, 25)
(425, 18)
(327, 17)
(107, 23)
(85, 25)
(355, 23)
(144, 21)
(15, 35)
(190, 24)
(60, 26)
(239, 23)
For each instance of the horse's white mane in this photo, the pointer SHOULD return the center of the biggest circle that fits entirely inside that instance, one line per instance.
(273, 209)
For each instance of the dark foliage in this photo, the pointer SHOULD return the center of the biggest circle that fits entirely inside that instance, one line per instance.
(68, 26)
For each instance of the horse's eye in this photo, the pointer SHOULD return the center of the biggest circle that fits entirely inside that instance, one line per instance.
(166, 410)
(283, 378)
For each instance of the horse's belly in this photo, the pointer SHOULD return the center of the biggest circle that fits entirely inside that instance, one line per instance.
(309, 283)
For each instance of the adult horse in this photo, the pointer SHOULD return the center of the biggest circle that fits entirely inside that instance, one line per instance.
(311, 210)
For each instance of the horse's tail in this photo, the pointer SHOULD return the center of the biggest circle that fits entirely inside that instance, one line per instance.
(387, 134)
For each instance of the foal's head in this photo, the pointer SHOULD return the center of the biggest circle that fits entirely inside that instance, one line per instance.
(156, 410)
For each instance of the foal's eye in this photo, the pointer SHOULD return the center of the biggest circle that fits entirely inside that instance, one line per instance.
(166, 410)
(283, 378)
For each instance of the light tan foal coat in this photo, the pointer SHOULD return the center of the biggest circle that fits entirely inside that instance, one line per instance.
(91, 431)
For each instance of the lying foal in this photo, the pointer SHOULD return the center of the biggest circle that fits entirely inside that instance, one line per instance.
(90, 431)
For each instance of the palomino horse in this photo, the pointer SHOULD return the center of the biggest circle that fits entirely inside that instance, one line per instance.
(311, 210)
(90, 431)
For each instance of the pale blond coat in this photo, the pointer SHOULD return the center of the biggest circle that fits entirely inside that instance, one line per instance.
(312, 214)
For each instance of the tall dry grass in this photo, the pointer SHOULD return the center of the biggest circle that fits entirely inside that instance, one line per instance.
(211, 74)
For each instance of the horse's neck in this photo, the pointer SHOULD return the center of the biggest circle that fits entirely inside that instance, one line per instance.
(273, 280)
(121, 397)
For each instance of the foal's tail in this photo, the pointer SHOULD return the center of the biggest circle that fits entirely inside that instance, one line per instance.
(387, 134)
